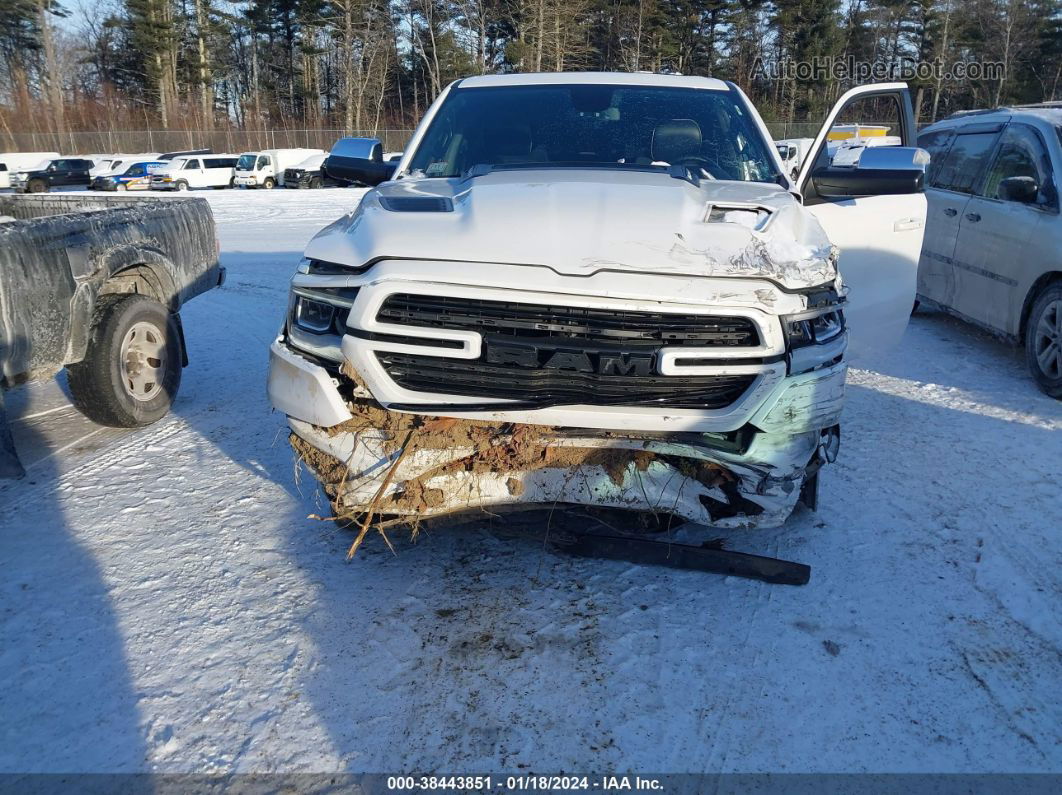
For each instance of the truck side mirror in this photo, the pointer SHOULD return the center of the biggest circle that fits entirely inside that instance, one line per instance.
(1018, 189)
(880, 171)
(358, 160)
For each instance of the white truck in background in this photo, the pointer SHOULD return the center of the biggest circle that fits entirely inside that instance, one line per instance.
(21, 161)
(793, 151)
(265, 169)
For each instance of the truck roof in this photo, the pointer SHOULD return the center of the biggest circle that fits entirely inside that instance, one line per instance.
(599, 78)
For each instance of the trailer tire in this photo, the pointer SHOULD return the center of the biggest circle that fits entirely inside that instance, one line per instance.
(37, 186)
(1043, 340)
(119, 382)
(269, 183)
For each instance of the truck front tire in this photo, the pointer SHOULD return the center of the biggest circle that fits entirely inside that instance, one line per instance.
(182, 185)
(1043, 340)
(37, 186)
(268, 183)
(132, 367)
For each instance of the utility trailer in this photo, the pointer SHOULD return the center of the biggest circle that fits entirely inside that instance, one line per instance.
(95, 285)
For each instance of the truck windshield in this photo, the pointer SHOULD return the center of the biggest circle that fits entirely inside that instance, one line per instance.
(592, 125)
(246, 162)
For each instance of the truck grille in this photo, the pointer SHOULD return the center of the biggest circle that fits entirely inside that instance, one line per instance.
(540, 322)
(542, 388)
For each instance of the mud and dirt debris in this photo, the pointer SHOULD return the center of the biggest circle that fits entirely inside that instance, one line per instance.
(497, 448)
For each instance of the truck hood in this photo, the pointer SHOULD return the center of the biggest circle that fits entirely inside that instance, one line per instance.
(580, 221)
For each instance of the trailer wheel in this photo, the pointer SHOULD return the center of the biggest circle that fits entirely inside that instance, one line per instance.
(269, 183)
(37, 186)
(132, 368)
(1043, 340)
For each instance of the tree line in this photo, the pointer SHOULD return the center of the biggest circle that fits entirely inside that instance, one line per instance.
(372, 64)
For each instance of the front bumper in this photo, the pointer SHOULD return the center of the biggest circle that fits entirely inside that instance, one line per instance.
(741, 465)
(792, 433)
(247, 182)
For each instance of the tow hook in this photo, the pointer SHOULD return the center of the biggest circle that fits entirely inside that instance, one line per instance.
(829, 444)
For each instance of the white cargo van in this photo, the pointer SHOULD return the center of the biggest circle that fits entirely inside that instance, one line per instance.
(265, 169)
(119, 162)
(196, 171)
(21, 161)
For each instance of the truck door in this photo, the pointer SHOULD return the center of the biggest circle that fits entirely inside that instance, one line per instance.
(878, 236)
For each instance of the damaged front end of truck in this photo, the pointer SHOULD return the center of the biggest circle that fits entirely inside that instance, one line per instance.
(691, 370)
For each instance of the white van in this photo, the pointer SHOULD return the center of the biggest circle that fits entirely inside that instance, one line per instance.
(265, 169)
(21, 161)
(196, 171)
(112, 164)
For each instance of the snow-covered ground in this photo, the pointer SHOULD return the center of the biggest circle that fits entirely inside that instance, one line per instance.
(167, 604)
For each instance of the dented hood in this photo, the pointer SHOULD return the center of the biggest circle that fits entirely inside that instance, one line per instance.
(580, 221)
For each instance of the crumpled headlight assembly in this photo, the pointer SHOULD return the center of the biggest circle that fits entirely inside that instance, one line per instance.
(813, 329)
(322, 310)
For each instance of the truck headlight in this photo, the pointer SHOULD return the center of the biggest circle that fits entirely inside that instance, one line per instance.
(313, 316)
(803, 330)
(322, 310)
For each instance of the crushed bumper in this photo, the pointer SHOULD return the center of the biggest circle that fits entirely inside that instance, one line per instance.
(748, 478)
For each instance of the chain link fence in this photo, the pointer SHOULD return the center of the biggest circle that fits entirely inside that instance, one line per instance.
(237, 141)
(230, 141)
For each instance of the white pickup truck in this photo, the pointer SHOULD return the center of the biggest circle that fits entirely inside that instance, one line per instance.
(265, 169)
(602, 290)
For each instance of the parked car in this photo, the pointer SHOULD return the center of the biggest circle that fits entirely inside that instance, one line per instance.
(265, 169)
(95, 284)
(205, 171)
(600, 290)
(310, 174)
(57, 173)
(990, 254)
(135, 176)
(11, 162)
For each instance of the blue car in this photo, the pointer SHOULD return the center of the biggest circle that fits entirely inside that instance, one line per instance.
(137, 176)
